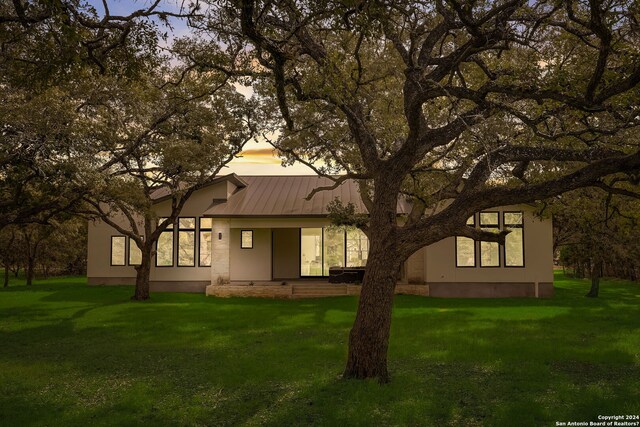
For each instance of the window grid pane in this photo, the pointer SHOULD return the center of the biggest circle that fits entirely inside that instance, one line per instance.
(357, 248)
(205, 248)
(206, 223)
(465, 252)
(187, 223)
(118, 250)
(514, 242)
(246, 239)
(186, 248)
(135, 254)
(311, 252)
(164, 249)
(490, 251)
(333, 249)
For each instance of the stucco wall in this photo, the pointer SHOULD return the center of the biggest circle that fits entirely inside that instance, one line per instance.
(99, 253)
(440, 264)
(99, 245)
(414, 269)
(254, 263)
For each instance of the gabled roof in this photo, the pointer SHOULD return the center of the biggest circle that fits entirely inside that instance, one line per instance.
(282, 196)
(164, 193)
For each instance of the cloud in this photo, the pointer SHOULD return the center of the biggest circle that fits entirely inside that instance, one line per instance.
(258, 156)
(270, 152)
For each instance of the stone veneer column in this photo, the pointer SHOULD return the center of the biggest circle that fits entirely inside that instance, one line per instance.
(220, 252)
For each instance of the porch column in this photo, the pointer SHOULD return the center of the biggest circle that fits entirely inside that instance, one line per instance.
(220, 242)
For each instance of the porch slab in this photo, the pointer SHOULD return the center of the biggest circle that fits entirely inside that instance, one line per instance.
(300, 289)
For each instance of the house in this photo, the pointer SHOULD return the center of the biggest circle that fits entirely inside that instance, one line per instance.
(261, 231)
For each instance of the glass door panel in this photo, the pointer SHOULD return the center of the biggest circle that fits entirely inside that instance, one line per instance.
(333, 249)
(357, 248)
(311, 252)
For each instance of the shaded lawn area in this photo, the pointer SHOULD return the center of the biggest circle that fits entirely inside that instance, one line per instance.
(75, 355)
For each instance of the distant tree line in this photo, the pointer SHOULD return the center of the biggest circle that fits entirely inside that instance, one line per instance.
(59, 248)
(596, 234)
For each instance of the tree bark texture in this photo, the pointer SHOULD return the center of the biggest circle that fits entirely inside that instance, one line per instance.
(369, 337)
(143, 272)
(6, 276)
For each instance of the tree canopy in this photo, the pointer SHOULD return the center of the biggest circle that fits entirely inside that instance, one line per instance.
(458, 106)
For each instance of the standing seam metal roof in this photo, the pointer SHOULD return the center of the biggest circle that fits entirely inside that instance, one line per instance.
(274, 196)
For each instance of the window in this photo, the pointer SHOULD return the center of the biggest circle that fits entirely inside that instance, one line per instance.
(323, 248)
(135, 254)
(333, 249)
(514, 242)
(311, 252)
(204, 256)
(357, 248)
(246, 239)
(118, 250)
(490, 251)
(186, 242)
(466, 248)
(164, 247)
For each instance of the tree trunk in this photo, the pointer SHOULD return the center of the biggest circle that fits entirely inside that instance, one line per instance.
(6, 275)
(30, 270)
(369, 337)
(596, 273)
(143, 271)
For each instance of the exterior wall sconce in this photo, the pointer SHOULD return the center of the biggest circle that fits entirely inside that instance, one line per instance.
(219, 236)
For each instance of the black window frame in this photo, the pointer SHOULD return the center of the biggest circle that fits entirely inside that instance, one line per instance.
(521, 226)
(497, 227)
(242, 243)
(475, 246)
(170, 229)
(131, 242)
(124, 260)
(181, 229)
(198, 249)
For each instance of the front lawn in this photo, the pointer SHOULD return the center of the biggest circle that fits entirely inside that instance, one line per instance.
(77, 355)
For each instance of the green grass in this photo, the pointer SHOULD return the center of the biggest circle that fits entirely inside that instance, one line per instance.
(74, 355)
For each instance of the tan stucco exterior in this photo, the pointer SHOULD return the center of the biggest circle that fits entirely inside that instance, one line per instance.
(276, 255)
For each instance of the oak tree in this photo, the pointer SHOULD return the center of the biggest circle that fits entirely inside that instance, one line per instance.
(456, 106)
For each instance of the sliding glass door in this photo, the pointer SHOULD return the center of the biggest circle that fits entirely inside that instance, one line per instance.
(311, 252)
(333, 249)
(323, 248)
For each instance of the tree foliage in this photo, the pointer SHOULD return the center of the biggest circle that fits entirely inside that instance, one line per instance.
(458, 106)
(163, 136)
(51, 51)
(597, 233)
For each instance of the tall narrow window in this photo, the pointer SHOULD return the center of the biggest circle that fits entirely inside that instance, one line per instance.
(246, 239)
(186, 242)
(204, 256)
(490, 251)
(466, 248)
(333, 249)
(164, 247)
(357, 248)
(135, 254)
(514, 242)
(311, 252)
(118, 250)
